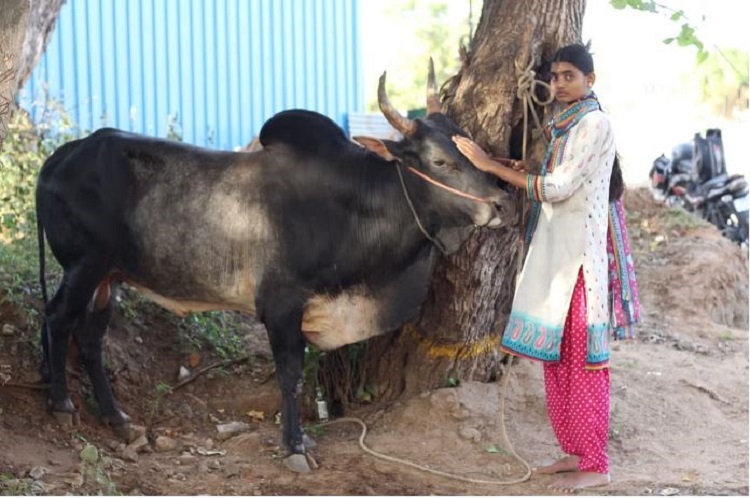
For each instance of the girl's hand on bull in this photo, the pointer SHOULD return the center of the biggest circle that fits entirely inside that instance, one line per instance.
(519, 166)
(474, 153)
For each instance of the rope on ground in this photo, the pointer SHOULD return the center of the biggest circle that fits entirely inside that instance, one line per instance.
(526, 93)
(455, 477)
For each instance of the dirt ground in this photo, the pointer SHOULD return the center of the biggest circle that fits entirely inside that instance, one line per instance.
(679, 404)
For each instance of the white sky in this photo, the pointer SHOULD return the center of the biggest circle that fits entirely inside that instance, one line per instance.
(642, 82)
(645, 84)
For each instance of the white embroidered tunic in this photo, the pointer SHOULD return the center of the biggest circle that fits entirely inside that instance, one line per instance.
(570, 234)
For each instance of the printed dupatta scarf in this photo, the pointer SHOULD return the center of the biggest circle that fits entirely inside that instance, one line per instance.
(625, 307)
(623, 289)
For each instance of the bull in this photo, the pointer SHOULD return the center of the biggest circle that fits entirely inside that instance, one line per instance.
(325, 241)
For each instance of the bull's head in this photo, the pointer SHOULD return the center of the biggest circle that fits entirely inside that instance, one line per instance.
(444, 181)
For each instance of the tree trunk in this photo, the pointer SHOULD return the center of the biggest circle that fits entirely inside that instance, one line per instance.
(13, 22)
(42, 17)
(458, 333)
(25, 28)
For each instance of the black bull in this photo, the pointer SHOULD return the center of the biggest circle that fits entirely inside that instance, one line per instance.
(321, 239)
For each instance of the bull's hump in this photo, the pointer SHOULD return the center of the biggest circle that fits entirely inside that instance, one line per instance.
(304, 131)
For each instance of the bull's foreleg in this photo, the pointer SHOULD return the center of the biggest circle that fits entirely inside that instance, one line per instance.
(89, 339)
(288, 346)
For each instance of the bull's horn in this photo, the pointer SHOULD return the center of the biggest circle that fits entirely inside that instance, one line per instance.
(405, 125)
(433, 100)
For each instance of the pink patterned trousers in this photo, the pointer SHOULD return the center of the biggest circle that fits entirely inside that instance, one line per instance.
(577, 398)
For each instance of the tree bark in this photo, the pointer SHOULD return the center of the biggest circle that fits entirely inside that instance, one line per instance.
(41, 23)
(13, 22)
(25, 28)
(456, 337)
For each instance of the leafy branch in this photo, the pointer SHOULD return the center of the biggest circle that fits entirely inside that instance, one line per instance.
(687, 35)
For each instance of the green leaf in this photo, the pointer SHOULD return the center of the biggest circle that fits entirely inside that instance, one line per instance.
(686, 36)
(363, 395)
(90, 454)
(9, 220)
(678, 15)
(668, 40)
(701, 56)
(495, 449)
(619, 4)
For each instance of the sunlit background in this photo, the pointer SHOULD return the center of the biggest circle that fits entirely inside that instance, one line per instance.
(656, 94)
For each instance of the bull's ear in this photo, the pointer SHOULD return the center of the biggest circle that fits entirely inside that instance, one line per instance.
(380, 147)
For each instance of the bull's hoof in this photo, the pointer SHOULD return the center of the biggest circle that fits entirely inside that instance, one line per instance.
(64, 405)
(115, 419)
(308, 442)
(297, 463)
(66, 419)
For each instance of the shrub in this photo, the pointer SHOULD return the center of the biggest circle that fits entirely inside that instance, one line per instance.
(25, 148)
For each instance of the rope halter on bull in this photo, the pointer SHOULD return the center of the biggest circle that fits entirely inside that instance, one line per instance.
(408, 127)
(526, 85)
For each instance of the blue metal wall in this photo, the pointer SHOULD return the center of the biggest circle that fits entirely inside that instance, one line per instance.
(221, 66)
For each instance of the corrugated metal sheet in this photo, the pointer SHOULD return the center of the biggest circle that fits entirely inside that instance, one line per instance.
(220, 67)
(371, 125)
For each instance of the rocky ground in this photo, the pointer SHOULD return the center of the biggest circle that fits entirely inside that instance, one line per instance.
(679, 404)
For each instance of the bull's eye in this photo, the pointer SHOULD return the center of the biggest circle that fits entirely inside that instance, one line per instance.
(443, 164)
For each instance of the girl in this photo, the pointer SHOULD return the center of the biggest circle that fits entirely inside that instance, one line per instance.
(561, 311)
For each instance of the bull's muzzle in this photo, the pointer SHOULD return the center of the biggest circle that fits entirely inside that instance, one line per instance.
(503, 211)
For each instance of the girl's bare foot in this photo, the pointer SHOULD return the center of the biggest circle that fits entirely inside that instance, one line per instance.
(579, 480)
(565, 464)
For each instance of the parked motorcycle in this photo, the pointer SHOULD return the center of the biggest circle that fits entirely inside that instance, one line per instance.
(723, 202)
(671, 178)
(695, 179)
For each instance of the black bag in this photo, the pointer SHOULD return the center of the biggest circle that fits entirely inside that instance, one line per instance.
(708, 156)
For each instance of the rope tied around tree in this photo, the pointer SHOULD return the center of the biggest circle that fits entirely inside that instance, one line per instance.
(526, 93)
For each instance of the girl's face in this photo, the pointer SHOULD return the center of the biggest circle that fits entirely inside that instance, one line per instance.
(569, 84)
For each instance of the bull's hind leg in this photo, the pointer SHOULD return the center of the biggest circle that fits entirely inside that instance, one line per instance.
(44, 367)
(63, 313)
(89, 339)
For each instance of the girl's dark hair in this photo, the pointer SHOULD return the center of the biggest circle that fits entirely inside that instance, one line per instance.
(579, 56)
(616, 183)
(576, 54)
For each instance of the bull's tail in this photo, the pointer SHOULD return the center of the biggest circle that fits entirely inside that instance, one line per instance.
(59, 154)
(40, 239)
